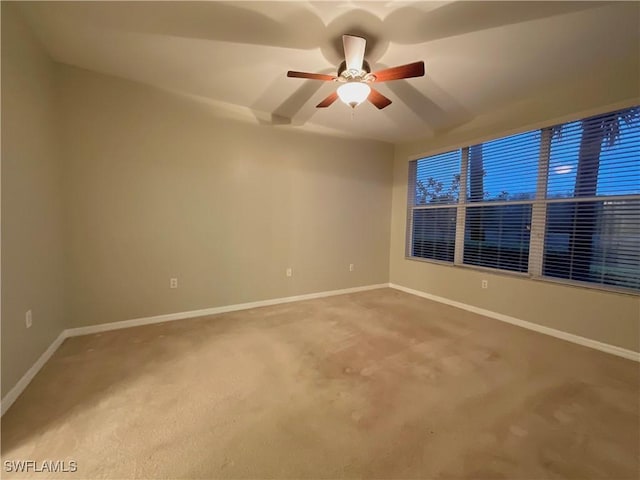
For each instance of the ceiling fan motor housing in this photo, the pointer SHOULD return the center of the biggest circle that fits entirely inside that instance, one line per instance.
(347, 75)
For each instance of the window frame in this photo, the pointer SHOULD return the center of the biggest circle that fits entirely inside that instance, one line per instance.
(538, 214)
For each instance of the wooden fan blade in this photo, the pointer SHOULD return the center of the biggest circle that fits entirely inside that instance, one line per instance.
(311, 76)
(328, 101)
(353, 51)
(379, 100)
(404, 71)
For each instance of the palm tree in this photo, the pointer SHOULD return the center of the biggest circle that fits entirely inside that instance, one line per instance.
(596, 132)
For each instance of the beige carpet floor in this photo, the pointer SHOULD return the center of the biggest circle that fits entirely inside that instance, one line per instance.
(377, 384)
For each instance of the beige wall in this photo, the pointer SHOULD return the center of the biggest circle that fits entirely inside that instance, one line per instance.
(603, 316)
(32, 239)
(157, 186)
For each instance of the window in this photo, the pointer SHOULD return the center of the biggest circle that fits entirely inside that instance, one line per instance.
(433, 193)
(561, 202)
(501, 189)
(593, 213)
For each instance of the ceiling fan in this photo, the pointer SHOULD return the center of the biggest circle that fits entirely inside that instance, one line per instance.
(355, 75)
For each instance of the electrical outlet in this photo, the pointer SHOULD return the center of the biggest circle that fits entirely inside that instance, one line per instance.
(351, 267)
(485, 283)
(28, 319)
(289, 272)
(173, 283)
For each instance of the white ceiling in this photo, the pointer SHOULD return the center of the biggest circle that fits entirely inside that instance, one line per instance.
(479, 56)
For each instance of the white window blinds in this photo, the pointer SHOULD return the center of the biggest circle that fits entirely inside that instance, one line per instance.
(501, 189)
(593, 213)
(562, 202)
(433, 193)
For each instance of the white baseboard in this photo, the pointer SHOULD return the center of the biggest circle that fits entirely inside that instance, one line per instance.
(15, 392)
(18, 388)
(587, 342)
(136, 322)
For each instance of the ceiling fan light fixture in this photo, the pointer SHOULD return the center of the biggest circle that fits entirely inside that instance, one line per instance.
(353, 93)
